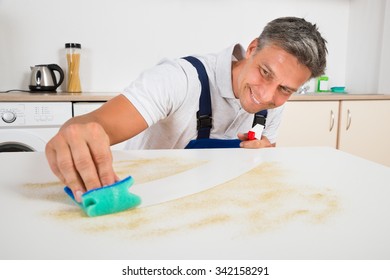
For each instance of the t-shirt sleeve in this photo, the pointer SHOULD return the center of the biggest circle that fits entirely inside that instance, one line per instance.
(159, 91)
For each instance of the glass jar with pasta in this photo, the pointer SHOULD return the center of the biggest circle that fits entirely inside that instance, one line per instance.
(73, 51)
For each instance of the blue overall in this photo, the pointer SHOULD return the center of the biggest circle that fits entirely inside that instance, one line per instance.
(204, 115)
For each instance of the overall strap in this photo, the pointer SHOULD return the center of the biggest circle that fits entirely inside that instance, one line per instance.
(204, 117)
(260, 118)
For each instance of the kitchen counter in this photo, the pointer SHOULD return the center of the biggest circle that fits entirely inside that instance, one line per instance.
(104, 96)
(296, 203)
(338, 97)
(59, 96)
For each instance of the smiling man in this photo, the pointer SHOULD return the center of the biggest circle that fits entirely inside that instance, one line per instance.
(193, 102)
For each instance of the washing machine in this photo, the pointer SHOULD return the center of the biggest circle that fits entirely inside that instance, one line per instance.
(28, 126)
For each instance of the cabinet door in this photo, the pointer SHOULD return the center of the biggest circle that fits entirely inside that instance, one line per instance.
(81, 108)
(365, 129)
(309, 123)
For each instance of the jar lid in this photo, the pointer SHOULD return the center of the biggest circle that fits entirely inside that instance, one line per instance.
(73, 45)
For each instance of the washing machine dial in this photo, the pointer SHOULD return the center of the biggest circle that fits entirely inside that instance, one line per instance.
(9, 117)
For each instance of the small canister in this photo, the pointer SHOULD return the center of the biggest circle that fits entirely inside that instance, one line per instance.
(73, 51)
(322, 84)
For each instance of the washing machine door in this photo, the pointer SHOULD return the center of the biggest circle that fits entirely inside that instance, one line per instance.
(20, 141)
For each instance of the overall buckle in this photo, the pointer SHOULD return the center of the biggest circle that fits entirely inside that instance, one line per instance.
(204, 121)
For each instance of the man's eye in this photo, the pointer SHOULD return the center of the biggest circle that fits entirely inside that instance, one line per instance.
(265, 73)
(285, 90)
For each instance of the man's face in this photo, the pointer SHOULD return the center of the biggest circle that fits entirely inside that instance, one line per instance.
(267, 78)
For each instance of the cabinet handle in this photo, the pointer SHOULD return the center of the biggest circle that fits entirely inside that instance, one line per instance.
(331, 120)
(349, 119)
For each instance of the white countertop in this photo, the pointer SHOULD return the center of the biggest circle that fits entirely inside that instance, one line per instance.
(298, 203)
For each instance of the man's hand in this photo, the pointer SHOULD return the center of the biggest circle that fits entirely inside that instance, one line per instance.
(80, 156)
(254, 144)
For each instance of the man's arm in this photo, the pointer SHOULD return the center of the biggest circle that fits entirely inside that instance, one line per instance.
(79, 154)
(120, 119)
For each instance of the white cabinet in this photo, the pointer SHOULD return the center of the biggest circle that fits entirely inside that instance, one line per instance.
(365, 130)
(308, 123)
(81, 108)
(359, 127)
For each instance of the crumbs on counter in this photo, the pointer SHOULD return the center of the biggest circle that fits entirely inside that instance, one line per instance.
(258, 201)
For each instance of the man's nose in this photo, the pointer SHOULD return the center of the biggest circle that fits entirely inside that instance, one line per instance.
(268, 94)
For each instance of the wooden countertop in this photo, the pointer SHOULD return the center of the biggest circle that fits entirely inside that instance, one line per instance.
(53, 97)
(104, 96)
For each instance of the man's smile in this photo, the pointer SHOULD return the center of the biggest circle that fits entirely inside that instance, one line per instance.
(253, 97)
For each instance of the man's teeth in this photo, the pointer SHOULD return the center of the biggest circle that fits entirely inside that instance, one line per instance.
(254, 99)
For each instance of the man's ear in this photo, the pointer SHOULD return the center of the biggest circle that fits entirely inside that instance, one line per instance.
(251, 48)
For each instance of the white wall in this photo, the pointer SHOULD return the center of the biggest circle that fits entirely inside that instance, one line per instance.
(120, 38)
(384, 70)
(366, 35)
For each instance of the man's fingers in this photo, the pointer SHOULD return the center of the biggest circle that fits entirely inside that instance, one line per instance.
(80, 156)
(102, 157)
(61, 162)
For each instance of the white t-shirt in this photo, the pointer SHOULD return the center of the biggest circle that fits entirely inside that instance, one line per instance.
(167, 96)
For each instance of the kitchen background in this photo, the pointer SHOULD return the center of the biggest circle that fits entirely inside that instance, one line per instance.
(120, 38)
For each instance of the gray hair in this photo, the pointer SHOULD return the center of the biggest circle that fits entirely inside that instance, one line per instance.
(299, 38)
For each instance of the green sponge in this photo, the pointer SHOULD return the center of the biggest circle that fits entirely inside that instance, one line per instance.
(109, 199)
